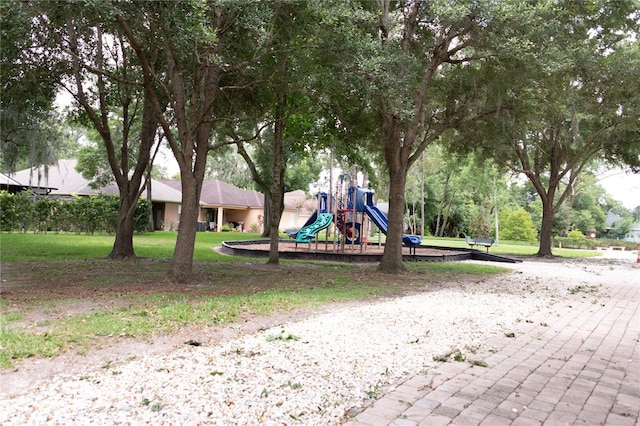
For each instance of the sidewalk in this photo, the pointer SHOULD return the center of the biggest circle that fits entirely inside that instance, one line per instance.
(576, 364)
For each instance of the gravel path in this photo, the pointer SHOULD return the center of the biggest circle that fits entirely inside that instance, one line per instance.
(314, 371)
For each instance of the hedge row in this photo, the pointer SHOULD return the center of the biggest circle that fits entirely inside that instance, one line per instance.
(26, 211)
(584, 243)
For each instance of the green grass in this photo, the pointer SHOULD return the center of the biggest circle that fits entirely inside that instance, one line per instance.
(16, 344)
(66, 246)
(160, 245)
(10, 316)
(515, 248)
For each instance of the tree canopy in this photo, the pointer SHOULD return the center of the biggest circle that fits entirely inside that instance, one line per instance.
(567, 96)
(541, 88)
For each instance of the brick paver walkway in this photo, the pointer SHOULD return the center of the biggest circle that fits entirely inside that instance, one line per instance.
(578, 363)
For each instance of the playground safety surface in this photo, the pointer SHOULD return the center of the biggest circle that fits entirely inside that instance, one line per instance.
(371, 252)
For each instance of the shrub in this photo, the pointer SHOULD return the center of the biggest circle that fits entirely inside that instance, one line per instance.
(141, 215)
(8, 216)
(576, 234)
(518, 226)
(577, 243)
(43, 209)
(27, 211)
(16, 211)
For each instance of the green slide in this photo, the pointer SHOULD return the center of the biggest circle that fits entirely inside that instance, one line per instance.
(307, 233)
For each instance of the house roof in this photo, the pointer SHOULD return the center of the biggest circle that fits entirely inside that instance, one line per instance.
(62, 176)
(295, 198)
(612, 218)
(216, 193)
(67, 181)
(299, 200)
(10, 184)
(161, 192)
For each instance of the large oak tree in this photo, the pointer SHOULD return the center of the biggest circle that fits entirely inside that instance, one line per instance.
(572, 93)
(100, 72)
(191, 38)
(420, 64)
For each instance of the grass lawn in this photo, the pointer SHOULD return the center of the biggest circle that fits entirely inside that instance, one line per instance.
(156, 245)
(60, 293)
(514, 248)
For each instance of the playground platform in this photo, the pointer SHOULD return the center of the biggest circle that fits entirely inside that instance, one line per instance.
(356, 253)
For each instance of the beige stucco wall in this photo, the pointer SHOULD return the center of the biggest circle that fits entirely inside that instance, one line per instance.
(170, 220)
(289, 220)
(254, 217)
(246, 216)
(302, 219)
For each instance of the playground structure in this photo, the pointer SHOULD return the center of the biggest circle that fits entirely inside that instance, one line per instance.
(351, 209)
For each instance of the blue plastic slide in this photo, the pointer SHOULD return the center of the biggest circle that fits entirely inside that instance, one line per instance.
(312, 218)
(308, 232)
(380, 219)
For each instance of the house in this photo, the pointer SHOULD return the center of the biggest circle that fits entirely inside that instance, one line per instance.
(634, 233)
(12, 186)
(298, 207)
(221, 204)
(64, 181)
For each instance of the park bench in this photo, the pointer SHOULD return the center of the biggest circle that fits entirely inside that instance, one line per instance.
(484, 242)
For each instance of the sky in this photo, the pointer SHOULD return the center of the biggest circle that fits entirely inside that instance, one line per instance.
(624, 187)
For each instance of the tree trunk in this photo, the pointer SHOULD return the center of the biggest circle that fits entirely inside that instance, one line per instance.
(277, 191)
(266, 230)
(391, 261)
(123, 244)
(495, 211)
(274, 238)
(422, 220)
(130, 187)
(151, 226)
(445, 221)
(441, 205)
(128, 183)
(546, 229)
(182, 260)
(396, 157)
(192, 111)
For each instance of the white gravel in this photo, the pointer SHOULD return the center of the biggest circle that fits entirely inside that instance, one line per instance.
(307, 372)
